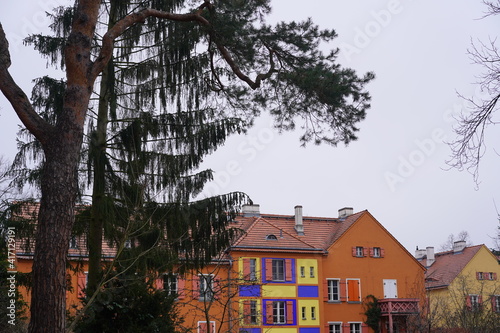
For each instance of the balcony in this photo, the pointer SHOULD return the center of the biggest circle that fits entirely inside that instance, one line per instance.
(398, 306)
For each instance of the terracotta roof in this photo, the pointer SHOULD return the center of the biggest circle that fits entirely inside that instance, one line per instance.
(319, 233)
(447, 266)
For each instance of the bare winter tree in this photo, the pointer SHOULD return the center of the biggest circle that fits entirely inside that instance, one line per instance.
(461, 236)
(469, 145)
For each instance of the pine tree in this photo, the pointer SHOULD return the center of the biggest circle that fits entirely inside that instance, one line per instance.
(230, 40)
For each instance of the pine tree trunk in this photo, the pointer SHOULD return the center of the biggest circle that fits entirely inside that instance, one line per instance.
(59, 185)
(55, 221)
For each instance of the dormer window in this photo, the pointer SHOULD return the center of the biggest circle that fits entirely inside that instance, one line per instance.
(271, 237)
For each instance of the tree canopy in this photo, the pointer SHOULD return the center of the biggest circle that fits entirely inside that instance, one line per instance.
(220, 57)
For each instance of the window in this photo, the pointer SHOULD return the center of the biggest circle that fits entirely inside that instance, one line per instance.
(271, 237)
(335, 328)
(355, 327)
(250, 313)
(278, 269)
(206, 287)
(127, 244)
(359, 251)
(333, 290)
(311, 271)
(376, 252)
(253, 312)
(73, 244)
(170, 284)
(279, 312)
(203, 327)
(313, 313)
(353, 290)
(302, 271)
(304, 313)
(249, 269)
(474, 302)
(495, 303)
(486, 276)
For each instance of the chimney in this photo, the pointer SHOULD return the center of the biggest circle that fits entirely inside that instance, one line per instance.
(299, 226)
(459, 246)
(420, 254)
(345, 212)
(251, 210)
(430, 255)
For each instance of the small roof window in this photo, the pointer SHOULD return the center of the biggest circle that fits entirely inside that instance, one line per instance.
(271, 237)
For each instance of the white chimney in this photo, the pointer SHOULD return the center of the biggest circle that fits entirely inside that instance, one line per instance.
(430, 255)
(345, 212)
(459, 246)
(251, 210)
(299, 226)
(420, 253)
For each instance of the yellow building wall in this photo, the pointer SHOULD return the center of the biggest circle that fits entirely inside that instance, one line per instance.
(466, 283)
(280, 330)
(269, 291)
(308, 305)
(307, 264)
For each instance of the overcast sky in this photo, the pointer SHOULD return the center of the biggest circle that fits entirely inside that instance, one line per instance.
(396, 170)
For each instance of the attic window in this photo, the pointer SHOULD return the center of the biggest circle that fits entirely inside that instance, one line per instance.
(271, 237)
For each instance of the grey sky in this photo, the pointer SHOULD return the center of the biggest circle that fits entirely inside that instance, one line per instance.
(396, 169)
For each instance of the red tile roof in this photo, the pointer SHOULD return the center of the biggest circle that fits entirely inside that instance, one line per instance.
(447, 266)
(319, 233)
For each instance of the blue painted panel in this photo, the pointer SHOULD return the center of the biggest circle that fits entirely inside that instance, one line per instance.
(309, 330)
(308, 291)
(249, 291)
(249, 330)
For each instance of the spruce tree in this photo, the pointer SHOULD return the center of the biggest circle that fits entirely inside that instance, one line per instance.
(221, 58)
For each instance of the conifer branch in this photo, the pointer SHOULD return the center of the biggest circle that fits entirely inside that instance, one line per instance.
(17, 98)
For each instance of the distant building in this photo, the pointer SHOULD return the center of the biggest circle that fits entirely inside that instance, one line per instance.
(463, 288)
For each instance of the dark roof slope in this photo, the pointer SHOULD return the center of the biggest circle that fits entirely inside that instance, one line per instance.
(447, 266)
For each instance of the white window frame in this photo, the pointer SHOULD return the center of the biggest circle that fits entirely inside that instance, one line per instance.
(377, 252)
(475, 305)
(73, 242)
(302, 271)
(279, 312)
(252, 264)
(170, 284)
(331, 292)
(311, 272)
(360, 251)
(355, 327)
(334, 327)
(206, 291)
(496, 303)
(278, 269)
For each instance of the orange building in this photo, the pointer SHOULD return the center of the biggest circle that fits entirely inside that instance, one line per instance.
(296, 274)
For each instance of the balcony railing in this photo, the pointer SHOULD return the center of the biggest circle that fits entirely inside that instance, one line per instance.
(398, 306)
